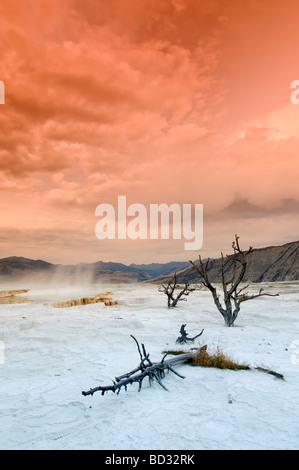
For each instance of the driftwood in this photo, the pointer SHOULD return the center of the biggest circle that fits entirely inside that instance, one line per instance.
(184, 336)
(146, 368)
(271, 372)
(156, 370)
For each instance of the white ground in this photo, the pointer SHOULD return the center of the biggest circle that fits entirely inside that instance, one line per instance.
(52, 354)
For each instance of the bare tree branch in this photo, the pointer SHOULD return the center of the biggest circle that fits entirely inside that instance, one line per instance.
(231, 295)
(172, 286)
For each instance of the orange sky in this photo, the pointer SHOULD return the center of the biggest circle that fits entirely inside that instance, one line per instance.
(164, 101)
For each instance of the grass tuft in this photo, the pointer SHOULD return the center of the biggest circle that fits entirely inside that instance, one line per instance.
(174, 352)
(218, 360)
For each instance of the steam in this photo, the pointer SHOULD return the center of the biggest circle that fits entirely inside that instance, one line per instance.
(79, 276)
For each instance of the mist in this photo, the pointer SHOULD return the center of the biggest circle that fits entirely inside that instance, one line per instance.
(79, 276)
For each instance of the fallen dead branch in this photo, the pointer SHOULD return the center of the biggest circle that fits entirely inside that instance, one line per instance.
(184, 336)
(271, 372)
(154, 371)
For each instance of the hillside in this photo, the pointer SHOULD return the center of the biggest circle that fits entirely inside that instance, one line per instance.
(24, 269)
(270, 264)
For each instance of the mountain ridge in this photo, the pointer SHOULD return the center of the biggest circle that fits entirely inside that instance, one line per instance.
(275, 263)
(16, 267)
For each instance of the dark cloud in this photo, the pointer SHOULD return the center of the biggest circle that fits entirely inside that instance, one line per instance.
(244, 209)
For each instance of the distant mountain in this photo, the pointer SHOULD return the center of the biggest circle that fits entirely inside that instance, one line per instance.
(270, 264)
(20, 268)
(159, 269)
(15, 265)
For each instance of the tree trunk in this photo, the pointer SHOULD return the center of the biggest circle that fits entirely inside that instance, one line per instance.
(228, 319)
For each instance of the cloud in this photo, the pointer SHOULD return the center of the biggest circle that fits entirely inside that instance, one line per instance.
(105, 88)
(162, 101)
(244, 209)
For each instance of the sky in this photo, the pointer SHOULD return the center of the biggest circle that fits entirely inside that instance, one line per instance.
(161, 101)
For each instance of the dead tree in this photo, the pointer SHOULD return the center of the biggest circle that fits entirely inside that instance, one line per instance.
(146, 368)
(171, 288)
(233, 294)
(184, 336)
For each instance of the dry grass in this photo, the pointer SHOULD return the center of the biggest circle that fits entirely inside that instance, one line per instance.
(174, 352)
(104, 298)
(218, 360)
